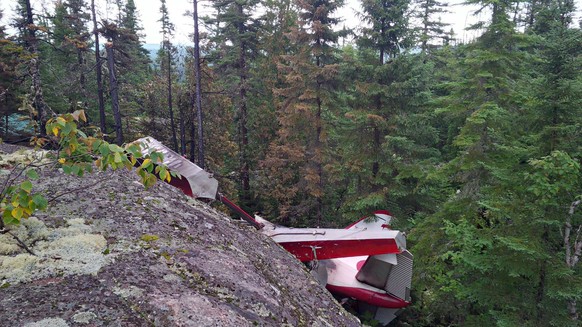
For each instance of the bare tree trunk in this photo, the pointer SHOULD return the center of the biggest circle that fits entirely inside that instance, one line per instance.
(98, 72)
(182, 127)
(242, 118)
(318, 151)
(573, 251)
(34, 69)
(198, 87)
(113, 89)
(193, 131)
(173, 125)
(82, 78)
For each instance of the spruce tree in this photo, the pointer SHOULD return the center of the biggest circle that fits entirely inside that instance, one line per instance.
(10, 88)
(431, 28)
(28, 38)
(71, 40)
(554, 114)
(297, 157)
(236, 40)
(168, 48)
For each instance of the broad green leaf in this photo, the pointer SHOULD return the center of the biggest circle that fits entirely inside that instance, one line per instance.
(32, 174)
(67, 169)
(104, 149)
(40, 201)
(26, 186)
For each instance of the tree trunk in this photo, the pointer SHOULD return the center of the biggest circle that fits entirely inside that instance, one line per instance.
(541, 288)
(376, 131)
(182, 128)
(173, 125)
(573, 251)
(113, 89)
(98, 72)
(42, 110)
(198, 87)
(193, 128)
(243, 116)
(318, 149)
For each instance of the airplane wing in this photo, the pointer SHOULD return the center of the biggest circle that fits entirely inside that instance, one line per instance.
(309, 244)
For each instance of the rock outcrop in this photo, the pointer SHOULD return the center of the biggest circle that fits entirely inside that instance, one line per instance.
(109, 253)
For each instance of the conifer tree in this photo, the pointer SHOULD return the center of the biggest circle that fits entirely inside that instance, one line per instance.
(431, 28)
(296, 158)
(236, 30)
(29, 39)
(197, 97)
(493, 238)
(71, 39)
(9, 85)
(98, 71)
(168, 48)
(554, 114)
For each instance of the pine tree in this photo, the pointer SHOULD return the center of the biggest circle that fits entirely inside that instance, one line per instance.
(389, 32)
(197, 97)
(556, 90)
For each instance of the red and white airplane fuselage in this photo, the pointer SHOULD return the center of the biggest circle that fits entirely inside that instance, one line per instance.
(367, 261)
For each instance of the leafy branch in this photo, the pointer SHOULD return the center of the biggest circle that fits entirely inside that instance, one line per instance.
(77, 154)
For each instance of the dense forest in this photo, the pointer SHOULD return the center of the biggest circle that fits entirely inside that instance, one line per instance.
(475, 147)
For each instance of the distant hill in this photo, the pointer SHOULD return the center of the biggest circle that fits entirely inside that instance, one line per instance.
(152, 50)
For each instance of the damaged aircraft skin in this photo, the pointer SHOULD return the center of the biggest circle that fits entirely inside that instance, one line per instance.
(367, 262)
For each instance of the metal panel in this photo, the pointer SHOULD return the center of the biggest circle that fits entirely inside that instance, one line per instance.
(400, 278)
(202, 184)
(376, 270)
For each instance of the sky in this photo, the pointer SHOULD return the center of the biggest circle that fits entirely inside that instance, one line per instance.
(460, 16)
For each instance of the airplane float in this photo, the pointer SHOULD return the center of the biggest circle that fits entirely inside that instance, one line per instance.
(365, 264)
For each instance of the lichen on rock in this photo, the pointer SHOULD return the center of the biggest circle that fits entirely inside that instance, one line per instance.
(48, 322)
(61, 251)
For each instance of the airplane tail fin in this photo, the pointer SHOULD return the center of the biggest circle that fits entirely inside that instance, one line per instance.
(379, 221)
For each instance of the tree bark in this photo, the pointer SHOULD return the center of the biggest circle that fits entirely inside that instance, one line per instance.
(42, 110)
(182, 128)
(198, 87)
(243, 116)
(98, 72)
(173, 125)
(113, 89)
(318, 147)
(573, 251)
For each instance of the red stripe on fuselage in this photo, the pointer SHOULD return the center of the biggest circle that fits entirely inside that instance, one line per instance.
(304, 250)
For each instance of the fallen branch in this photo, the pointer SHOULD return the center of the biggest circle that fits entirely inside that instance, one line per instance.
(21, 244)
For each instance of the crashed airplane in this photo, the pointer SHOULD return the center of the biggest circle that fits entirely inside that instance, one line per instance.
(365, 265)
